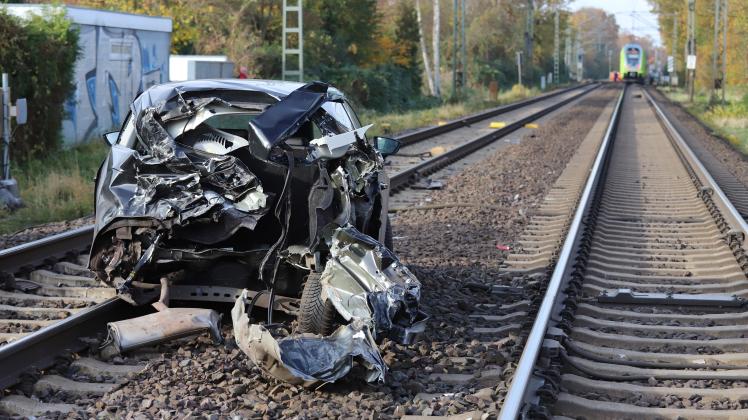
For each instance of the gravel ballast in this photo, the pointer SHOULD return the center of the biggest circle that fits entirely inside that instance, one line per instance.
(454, 253)
(732, 159)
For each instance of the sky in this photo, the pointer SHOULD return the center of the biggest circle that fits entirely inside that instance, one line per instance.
(631, 15)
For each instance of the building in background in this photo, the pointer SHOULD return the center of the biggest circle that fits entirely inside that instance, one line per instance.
(122, 54)
(193, 67)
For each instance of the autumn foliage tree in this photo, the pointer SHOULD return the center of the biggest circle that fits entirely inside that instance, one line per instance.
(671, 12)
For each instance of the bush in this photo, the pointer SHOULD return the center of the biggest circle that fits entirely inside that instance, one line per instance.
(39, 53)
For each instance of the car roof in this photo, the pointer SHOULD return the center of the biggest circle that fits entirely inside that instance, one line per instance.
(276, 88)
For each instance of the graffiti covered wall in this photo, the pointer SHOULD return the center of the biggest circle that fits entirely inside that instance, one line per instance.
(115, 66)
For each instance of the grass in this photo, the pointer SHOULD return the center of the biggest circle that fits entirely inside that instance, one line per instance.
(59, 187)
(393, 123)
(729, 120)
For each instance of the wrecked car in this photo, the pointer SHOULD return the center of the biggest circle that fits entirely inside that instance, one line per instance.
(263, 194)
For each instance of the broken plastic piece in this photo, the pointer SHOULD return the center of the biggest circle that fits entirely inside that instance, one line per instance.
(333, 147)
(497, 124)
(166, 325)
(502, 247)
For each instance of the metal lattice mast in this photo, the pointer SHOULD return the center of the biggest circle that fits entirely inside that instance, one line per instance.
(293, 41)
(556, 47)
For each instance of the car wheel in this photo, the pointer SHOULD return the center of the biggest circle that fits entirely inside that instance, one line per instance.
(316, 316)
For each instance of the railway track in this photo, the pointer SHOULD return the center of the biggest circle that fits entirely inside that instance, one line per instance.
(56, 309)
(644, 313)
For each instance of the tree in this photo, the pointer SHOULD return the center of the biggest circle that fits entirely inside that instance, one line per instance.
(424, 51)
(407, 39)
(598, 32)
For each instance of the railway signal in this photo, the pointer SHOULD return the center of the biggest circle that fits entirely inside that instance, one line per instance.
(9, 195)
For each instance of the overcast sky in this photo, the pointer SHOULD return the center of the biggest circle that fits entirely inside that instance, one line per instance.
(631, 15)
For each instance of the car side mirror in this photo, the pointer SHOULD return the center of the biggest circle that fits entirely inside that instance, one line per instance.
(111, 138)
(387, 146)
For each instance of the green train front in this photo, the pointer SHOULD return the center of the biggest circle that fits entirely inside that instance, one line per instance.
(633, 62)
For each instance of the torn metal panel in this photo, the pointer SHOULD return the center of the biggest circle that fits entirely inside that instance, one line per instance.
(283, 119)
(307, 359)
(365, 280)
(163, 326)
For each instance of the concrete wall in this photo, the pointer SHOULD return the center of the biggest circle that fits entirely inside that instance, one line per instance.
(116, 65)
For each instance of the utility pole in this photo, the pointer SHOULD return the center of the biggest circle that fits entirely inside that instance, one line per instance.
(610, 56)
(674, 51)
(529, 23)
(580, 59)
(567, 52)
(713, 96)
(6, 127)
(454, 49)
(464, 46)
(519, 67)
(556, 46)
(691, 48)
(437, 55)
(724, 48)
(293, 41)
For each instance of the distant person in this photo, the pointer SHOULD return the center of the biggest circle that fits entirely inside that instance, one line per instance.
(243, 72)
(615, 76)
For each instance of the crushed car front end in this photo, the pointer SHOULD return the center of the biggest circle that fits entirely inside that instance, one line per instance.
(263, 194)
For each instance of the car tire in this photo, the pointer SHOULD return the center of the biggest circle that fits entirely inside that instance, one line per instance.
(388, 235)
(316, 316)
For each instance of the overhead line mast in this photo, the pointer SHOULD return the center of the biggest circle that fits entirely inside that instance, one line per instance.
(293, 41)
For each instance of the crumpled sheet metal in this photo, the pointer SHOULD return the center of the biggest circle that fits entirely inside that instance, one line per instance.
(307, 359)
(365, 280)
(370, 288)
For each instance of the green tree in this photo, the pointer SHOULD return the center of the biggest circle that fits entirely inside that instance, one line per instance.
(39, 53)
(340, 33)
(406, 39)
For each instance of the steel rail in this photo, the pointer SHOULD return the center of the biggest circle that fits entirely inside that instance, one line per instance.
(40, 349)
(516, 395)
(413, 173)
(429, 132)
(34, 253)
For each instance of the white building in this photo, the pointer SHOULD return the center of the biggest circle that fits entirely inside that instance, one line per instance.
(122, 54)
(194, 67)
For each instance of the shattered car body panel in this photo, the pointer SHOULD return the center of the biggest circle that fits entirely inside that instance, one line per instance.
(307, 359)
(256, 185)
